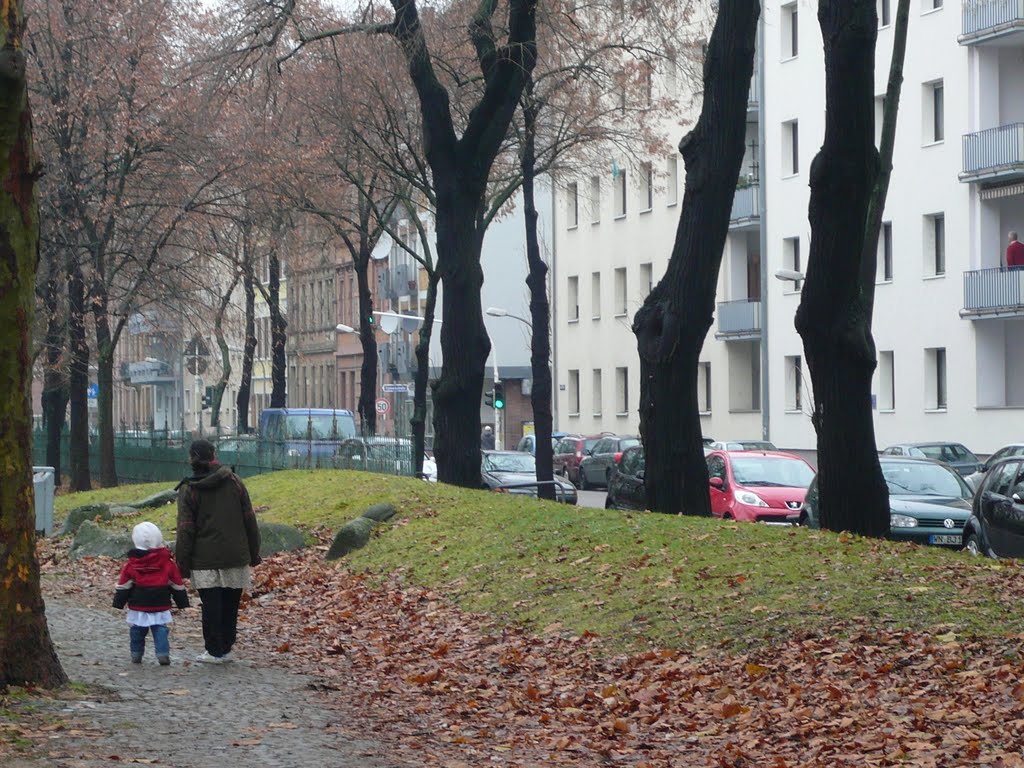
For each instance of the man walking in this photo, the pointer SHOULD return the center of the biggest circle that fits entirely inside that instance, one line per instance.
(487, 439)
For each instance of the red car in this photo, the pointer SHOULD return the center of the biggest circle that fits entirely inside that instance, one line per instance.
(764, 486)
(568, 454)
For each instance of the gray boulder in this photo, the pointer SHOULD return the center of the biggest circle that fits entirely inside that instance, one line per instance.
(93, 541)
(276, 537)
(156, 500)
(78, 515)
(380, 513)
(352, 536)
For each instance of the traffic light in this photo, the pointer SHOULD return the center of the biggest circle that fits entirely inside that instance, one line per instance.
(207, 398)
(499, 395)
(489, 398)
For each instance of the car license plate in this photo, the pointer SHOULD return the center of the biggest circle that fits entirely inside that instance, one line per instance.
(946, 538)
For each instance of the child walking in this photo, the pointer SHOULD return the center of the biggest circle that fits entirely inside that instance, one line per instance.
(147, 584)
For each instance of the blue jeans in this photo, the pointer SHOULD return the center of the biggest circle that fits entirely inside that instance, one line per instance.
(161, 641)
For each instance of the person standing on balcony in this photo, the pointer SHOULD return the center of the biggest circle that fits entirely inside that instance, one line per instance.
(1014, 252)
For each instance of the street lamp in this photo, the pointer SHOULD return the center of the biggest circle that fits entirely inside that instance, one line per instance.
(499, 312)
(789, 274)
(342, 328)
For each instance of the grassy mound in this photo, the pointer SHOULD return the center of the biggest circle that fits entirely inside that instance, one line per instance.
(637, 578)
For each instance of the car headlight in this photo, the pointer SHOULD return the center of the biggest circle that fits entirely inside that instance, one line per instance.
(748, 498)
(902, 521)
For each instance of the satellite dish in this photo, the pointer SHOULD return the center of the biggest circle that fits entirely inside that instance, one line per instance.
(388, 323)
(383, 248)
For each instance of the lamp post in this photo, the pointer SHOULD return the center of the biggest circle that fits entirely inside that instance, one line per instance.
(499, 312)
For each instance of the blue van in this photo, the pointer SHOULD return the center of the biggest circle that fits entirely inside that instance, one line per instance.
(306, 433)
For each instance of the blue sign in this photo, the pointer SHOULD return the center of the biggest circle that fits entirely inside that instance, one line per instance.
(94, 391)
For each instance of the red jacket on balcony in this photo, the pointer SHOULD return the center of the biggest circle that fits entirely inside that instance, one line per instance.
(1015, 254)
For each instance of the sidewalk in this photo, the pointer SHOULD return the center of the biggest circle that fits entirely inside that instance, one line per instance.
(188, 715)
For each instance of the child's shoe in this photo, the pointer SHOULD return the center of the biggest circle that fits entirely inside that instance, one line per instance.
(136, 658)
(164, 660)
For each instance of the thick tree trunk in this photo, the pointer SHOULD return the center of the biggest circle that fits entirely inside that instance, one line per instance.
(278, 338)
(78, 379)
(367, 340)
(55, 380)
(26, 652)
(419, 397)
(671, 325)
(540, 310)
(105, 380)
(831, 318)
(248, 353)
(225, 355)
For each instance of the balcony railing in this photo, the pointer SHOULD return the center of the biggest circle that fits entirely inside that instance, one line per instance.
(746, 205)
(996, 152)
(739, 318)
(753, 95)
(991, 290)
(984, 19)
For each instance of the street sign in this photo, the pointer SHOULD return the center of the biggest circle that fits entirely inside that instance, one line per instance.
(196, 353)
(93, 392)
(396, 388)
(383, 406)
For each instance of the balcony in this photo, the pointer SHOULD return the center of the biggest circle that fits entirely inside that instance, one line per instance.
(996, 154)
(151, 371)
(993, 293)
(739, 320)
(992, 22)
(746, 207)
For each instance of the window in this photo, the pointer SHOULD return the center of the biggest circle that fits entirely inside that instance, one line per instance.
(595, 295)
(620, 194)
(932, 5)
(595, 199)
(884, 13)
(933, 113)
(621, 391)
(935, 245)
(886, 381)
(791, 258)
(646, 187)
(574, 299)
(790, 31)
(791, 148)
(646, 280)
(885, 253)
(596, 391)
(704, 387)
(647, 78)
(794, 383)
(620, 291)
(935, 379)
(879, 119)
(744, 377)
(572, 205)
(574, 393)
(672, 180)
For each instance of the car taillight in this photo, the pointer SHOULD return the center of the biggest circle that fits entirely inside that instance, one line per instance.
(618, 457)
(579, 454)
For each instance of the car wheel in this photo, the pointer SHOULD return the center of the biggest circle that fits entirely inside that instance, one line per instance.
(608, 503)
(973, 546)
(583, 485)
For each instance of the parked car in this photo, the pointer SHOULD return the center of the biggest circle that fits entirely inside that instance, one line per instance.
(597, 466)
(528, 443)
(928, 502)
(516, 472)
(953, 454)
(570, 452)
(626, 485)
(996, 524)
(742, 445)
(305, 433)
(766, 486)
(385, 455)
(975, 478)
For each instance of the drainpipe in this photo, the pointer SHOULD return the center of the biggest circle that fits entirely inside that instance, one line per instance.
(763, 231)
(553, 306)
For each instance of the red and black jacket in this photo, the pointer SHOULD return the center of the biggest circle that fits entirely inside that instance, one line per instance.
(149, 581)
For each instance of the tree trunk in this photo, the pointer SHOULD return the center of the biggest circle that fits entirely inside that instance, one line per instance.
(55, 380)
(367, 340)
(225, 355)
(671, 325)
(78, 379)
(248, 353)
(105, 380)
(540, 310)
(419, 397)
(278, 327)
(831, 317)
(26, 652)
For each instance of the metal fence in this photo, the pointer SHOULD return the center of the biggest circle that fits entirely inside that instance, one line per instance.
(991, 15)
(994, 150)
(743, 316)
(161, 455)
(993, 289)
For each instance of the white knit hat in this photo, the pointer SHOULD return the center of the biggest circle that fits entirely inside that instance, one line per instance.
(147, 536)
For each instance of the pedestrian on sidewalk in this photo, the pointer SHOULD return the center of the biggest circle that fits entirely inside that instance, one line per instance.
(147, 584)
(218, 540)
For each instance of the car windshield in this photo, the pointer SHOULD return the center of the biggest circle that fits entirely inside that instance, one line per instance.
(911, 478)
(588, 444)
(510, 462)
(772, 471)
(948, 452)
(323, 426)
(629, 442)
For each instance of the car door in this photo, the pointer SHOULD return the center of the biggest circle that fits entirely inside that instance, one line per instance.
(995, 507)
(1012, 543)
(719, 496)
(587, 468)
(629, 479)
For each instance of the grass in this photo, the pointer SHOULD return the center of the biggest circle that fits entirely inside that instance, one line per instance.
(638, 578)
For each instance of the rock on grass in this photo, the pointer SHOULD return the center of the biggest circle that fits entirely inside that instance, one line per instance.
(352, 536)
(277, 537)
(93, 541)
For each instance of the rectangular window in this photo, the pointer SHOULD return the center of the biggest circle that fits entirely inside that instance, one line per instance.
(933, 5)
(646, 280)
(595, 199)
(646, 187)
(790, 31)
(933, 128)
(572, 205)
(885, 253)
(791, 259)
(935, 245)
(595, 295)
(935, 379)
(596, 391)
(791, 148)
(884, 13)
(574, 299)
(879, 119)
(704, 387)
(672, 180)
(620, 194)
(621, 391)
(620, 291)
(794, 383)
(574, 393)
(886, 381)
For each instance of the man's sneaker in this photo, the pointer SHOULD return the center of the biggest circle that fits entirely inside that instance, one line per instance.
(207, 658)
(136, 658)
(164, 660)
(227, 657)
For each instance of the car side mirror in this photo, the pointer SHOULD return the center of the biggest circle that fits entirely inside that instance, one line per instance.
(639, 474)
(717, 482)
(1016, 498)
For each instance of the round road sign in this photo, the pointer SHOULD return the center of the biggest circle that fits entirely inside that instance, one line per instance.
(383, 406)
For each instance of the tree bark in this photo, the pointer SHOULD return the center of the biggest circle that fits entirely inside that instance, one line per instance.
(55, 380)
(367, 338)
(419, 397)
(672, 323)
(26, 651)
(540, 310)
(225, 355)
(105, 343)
(832, 317)
(248, 351)
(278, 338)
(78, 380)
